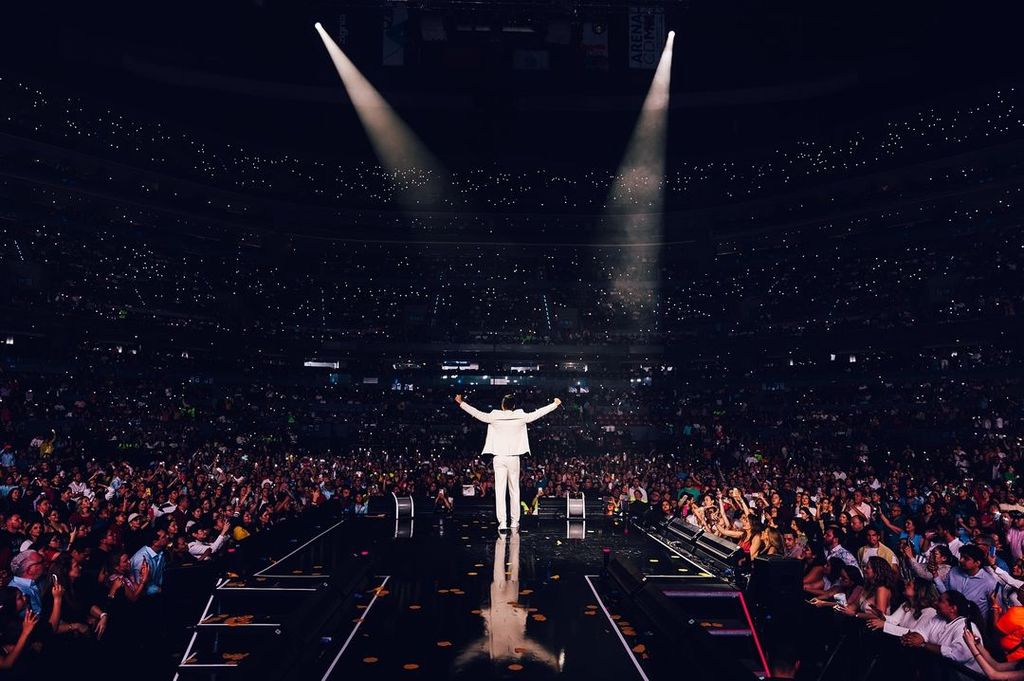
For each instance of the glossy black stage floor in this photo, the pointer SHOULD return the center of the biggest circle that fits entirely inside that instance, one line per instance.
(448, 597)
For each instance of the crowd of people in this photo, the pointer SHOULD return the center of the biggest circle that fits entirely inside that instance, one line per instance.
(900, 494)
(929, 131)
(105, 273)
(136, 477)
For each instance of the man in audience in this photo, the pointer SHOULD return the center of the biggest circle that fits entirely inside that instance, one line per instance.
(152, 555)
(28, 567)
(789, 541)
(202, 549)
(833, 549)
(969, 579)
(875, 547)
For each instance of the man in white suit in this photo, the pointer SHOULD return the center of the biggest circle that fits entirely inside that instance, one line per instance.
(507, 441)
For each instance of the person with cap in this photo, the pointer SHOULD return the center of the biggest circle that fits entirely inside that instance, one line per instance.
(134, 536)
(506, 441)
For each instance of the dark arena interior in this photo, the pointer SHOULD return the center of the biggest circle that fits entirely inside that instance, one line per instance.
(500, 339)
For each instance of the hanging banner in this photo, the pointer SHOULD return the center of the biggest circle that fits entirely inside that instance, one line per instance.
(396, 21)
(646, 36)
(595, 45)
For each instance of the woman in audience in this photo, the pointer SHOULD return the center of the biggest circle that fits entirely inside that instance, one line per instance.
(54, 523)
(944, 635)
(814, 569)
(917, 610)
(844, 526)
(848, 589)
(771, 543)
(34, 532)
(910, 535)
(748, 538)
(15, 629)
(824, 517)
(880, 584)
(120, 581)
(988, 665)
(939, 558)
(79, 616)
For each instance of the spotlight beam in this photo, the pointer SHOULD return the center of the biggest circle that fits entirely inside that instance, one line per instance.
(636, 199)
(420, 179)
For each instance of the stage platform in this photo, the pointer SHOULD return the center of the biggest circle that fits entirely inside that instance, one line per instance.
(448, 597)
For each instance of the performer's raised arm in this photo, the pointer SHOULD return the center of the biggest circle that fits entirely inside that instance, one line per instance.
(537, 413)
(473, 411)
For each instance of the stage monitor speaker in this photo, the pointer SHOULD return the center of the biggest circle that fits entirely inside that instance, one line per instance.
(774, 578)
(717, 548)
(684, 531)
(627, 575)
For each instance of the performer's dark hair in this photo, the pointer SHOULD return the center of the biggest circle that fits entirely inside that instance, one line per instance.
(508, 402)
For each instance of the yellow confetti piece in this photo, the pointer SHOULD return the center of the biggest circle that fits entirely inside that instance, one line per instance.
(526, 592)
(539, 618)
(616, 617)
(234, 657)
(531, 610)
(589, 612)
(409, 667)
(415, 607)
(442, 591)
(471, 574)
(360, 607)
(475, 612)
(444, 644)
(555, 578)
(369, 660)
(479, 565)
(639, 648)
(516, 667)
(591, 607)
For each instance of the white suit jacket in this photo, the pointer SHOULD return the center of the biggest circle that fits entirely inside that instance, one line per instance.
(506, 430)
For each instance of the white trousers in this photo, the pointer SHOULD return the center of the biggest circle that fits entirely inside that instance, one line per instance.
(506, 477)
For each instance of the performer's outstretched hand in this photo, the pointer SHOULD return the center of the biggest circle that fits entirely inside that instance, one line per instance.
(458, 399)
(558, 401)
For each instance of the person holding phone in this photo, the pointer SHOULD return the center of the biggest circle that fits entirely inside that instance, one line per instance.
(507, 440)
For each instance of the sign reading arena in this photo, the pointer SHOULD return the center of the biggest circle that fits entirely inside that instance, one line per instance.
(646, 37)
